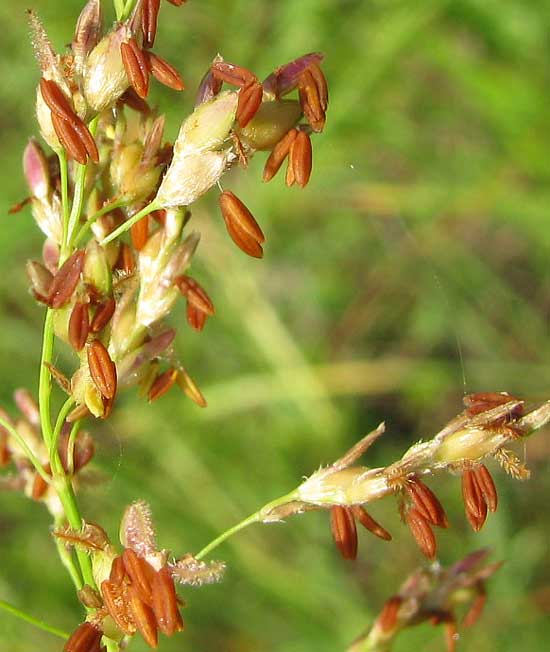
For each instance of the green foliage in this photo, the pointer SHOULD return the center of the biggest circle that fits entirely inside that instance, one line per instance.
(414, 267)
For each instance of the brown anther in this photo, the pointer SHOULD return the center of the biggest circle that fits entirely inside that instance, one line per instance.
(89, 597)
(422, 532)
(63, 382)
(149, 19)
(195, 294)
(5, 453)
(278, 155)
(165, 603)
(163, 72)
(176, 3)
(369, 523)
(344, 531)
(474, 612)
(85, 638)
(136, 66)
(300, 160)
(56, 100)
(143, 617)
(134, 101)
(311, 101)
(474, 502)
(250, 100)
(159, 216)
(66, 279)
(70, 139)
(190, 388)
(140, 573)
(79, 325)
(126, 261)
(487, 486)
(162, 384)
(426, 502)
(241, 225)
(232, 74)
(39, 485)
(195, 317)
(115, 597)
(86, 139)
(118, 571)
(321, 84)
(139, 233)
(102, 315)
(102, 369)
(387, 618)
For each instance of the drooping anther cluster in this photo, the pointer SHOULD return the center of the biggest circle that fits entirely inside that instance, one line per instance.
(490, 422)
(136, 591)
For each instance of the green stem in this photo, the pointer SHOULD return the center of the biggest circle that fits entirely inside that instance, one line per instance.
(257, 517)
(70, 507)
(64, 178)
(27, 450)
(14, 611)
(67, 558)
(65, 409)
(45, 380)
(153, 206)
(70, 447)
(79, 188)
(102, 211)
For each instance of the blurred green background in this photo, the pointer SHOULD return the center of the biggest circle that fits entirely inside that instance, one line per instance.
(412, 269)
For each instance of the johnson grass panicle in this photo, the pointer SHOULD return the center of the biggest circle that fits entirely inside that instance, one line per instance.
(114, 199)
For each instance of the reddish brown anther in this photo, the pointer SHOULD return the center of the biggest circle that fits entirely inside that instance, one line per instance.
(250, 100)
(278, 155)
(426, 502)
(241, 225)
(118, 571)
(69, 139)
(176, 3)
(140, 573)
(139, 233)
(115, 596)
(474, 502)
(300, 160)
(143, 617)
(66, 279)
(163, 72)
(474, 612)
(387, 618)
(73, 134)
(102, 369)
(232, 74)
(149, 18)
(85, 638)
(422, 532)
(369, 523)
(102, 315)
(136, 65)
(344, 531)
(162, 384)
(79, 325)
(195, 294)
(56, 100)
(487, 487)
(165, 603)
(311, 102)
(134, 101)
